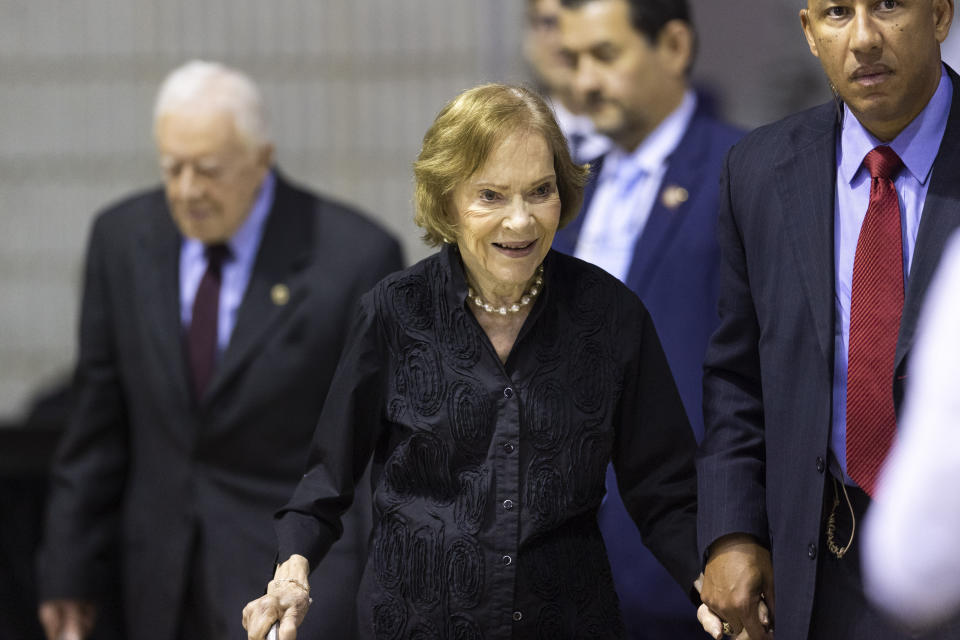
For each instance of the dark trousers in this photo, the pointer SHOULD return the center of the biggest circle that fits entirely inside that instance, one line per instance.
(840, 609)
(653, 605)
(198, 620)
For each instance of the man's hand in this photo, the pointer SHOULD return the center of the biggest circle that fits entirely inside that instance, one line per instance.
(737, 580)
(64, 619)
(287, 600)
(713, 625)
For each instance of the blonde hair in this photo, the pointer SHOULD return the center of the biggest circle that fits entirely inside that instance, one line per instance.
(460, 140)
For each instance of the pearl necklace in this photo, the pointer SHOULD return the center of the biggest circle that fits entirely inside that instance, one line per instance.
(525, 299)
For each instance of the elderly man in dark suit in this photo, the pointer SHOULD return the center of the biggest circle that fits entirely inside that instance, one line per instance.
(649, 218)
(212, 320)
(831, 224)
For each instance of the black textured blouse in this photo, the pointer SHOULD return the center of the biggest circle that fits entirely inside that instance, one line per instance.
(488, 475)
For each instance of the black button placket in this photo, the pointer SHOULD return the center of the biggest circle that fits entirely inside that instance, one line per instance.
(502, 569)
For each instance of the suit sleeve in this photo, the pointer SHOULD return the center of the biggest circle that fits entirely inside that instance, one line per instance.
(380, 256)
(731, 460)
(343, 442)
(89, 469)
(391, 259)
(654, 459)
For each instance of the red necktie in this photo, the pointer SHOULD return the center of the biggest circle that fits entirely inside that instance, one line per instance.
(202, 335)
(876, 302)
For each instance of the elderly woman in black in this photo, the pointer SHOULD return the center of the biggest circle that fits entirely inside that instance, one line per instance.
(492, 383)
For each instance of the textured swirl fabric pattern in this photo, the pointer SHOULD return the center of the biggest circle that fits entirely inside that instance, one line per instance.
(488, 475)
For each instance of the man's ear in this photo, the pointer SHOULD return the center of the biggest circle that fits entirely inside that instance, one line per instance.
(266, 156)
(675, 44)
(808, 31)
(942, 18)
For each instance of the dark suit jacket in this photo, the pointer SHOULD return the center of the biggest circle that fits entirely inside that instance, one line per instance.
(674, 271)
(146, 474)
(769, 369)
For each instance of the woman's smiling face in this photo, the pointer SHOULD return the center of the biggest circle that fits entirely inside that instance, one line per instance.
(506, 214)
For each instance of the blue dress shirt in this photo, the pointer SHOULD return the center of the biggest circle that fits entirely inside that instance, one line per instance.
(235, 272)
(917, 146)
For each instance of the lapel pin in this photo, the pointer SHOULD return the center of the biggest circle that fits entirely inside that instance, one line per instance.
(673, 196)
(280, 294)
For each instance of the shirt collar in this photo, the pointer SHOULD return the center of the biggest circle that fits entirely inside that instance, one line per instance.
(917, 145)
(245, 241)
(653, 152)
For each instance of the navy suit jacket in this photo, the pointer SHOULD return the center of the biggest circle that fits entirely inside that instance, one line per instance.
(674, 272)
(769, 369)
(675, 260)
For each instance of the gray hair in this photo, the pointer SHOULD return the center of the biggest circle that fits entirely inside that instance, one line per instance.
(204, 83)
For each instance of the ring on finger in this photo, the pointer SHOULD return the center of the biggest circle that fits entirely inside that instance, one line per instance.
(727, 629)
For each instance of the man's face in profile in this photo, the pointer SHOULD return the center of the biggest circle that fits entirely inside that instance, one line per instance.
(211, 174)
(882, 57)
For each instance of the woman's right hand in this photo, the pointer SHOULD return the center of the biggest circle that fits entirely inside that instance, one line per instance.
(287, 600)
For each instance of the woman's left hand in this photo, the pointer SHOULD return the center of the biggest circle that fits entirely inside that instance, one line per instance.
(287, 600)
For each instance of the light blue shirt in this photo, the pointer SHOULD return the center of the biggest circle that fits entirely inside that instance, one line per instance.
(235, 273)
(627, 189)
(917, 146)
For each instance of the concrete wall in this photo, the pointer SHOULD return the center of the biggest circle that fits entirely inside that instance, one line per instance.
(351, 86)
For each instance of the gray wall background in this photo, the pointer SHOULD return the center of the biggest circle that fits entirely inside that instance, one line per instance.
(351, 86)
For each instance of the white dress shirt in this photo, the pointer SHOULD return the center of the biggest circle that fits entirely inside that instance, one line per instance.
(911, 560)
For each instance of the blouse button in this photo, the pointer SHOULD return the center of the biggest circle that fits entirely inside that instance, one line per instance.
(507, 561)
(508, 393)
(508, 504)
(517, 616)
(508, 447)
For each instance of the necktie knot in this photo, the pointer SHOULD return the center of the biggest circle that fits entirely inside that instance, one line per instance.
(216, 255)
(882, 162)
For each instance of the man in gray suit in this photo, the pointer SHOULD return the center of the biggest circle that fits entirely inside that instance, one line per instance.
(213, 316)
(831, 224)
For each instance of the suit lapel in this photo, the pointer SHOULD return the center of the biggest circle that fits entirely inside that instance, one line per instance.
(941, 215)
(272, 292)
(806, 183)
(668, 208)
(161, 244)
